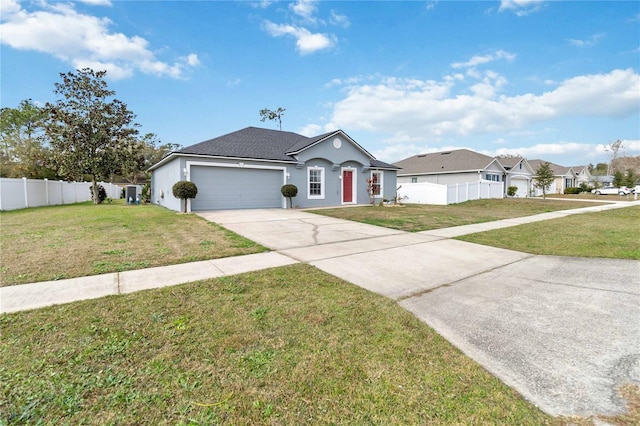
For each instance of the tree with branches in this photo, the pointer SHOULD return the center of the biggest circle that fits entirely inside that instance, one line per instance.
(543, 178)
(267, 114)
(90, 132)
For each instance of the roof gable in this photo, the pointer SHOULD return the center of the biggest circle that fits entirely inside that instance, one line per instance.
(459, 160)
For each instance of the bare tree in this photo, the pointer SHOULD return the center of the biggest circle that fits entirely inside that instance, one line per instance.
(613, 148)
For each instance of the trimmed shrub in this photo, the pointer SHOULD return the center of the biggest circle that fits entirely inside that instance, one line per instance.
(102, 193)
(185, 190)
(289, 190)
(512, 190)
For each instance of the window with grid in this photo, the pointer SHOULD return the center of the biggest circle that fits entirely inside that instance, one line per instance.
(376, 183)
(315, 182)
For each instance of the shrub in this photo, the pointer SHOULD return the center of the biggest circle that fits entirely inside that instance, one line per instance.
(584, 187)
(573, 190)
(102, 193)
(185, 190)
(512, 190)
(146, 193)
(289, 190)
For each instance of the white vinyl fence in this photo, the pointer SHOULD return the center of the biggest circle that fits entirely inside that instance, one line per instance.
(431, 193)
(22, 193)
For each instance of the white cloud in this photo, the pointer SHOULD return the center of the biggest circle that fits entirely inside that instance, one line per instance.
(591, 41)
(304, 8)
(415, 110)
(97, 2)
(310, 130)
(340, 20)
(480, 60)
(306, 41)
(84, 41)
(521, 7)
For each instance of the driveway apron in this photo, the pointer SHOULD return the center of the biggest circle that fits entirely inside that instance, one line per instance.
(564, 332)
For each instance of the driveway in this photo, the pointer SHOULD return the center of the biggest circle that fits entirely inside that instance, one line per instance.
(564, 332)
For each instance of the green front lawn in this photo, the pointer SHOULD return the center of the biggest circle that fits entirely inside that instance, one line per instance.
(421, 217)
(50, 243)
(608, 234)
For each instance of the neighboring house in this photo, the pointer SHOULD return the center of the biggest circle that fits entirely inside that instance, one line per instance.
(565, 177)
(519, 174)
(247, 168)
(583, 175)
(450, 167)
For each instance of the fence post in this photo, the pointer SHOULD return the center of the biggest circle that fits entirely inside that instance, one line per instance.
(46, 189)
(26, 193)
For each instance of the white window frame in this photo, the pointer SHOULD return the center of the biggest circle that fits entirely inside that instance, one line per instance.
(492, 177)
(380, 183)
(322, 183)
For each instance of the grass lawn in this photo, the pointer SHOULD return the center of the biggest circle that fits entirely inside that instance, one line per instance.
(49, 243)
(421, 217)
(609, 234)
(286, 346)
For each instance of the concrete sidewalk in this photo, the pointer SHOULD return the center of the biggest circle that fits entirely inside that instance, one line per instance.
(37, 295)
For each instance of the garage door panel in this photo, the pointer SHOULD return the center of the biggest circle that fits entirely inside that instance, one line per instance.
(521, 184)
(222, 188)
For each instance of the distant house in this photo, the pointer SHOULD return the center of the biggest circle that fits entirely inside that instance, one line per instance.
(565, 177)
(246, 169)
(450, 167)
(583, 175)
(450, 177)
(519, 174)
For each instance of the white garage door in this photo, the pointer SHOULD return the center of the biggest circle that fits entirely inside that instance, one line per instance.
(522, 187)
(222, 188)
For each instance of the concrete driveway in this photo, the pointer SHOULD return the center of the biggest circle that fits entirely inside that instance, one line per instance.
(564, 332)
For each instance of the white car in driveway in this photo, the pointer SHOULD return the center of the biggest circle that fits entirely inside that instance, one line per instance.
(612, 190)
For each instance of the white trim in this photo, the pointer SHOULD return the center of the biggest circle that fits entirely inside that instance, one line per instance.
(239, 165)
(354, 185)
(322, 183)
(380, 183)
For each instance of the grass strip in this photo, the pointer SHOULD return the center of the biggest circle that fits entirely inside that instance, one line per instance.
(51, 243)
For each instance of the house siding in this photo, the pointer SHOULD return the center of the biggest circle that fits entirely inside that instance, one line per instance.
(163, 180)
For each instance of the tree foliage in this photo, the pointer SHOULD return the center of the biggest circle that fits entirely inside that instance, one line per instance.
(267, 114)
(184, 190)
(142, 154)
(544, 177)
(90, 132)
(23, 151)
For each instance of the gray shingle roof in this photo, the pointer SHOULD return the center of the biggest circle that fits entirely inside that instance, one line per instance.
(556, 169)
(252, 142)
(263, 144)
(509, 163)
(444, 162)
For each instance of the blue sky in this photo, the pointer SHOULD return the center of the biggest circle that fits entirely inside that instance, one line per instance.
(553, 80)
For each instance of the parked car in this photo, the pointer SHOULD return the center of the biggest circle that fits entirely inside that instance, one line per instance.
(612, 190)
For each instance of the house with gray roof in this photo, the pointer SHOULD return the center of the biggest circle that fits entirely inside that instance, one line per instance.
(519, 175)
(450, 167)
(247, 168)
(565, 177)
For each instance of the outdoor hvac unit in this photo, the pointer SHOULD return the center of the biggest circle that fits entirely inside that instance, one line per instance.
(133, 194)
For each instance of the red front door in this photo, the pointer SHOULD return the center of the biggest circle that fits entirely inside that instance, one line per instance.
(347, 186)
